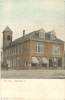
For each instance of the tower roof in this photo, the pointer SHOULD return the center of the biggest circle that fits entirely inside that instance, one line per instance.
(7, 29)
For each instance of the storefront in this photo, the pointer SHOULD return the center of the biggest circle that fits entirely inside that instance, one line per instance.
(35, 62)
(44, 62)
(55, 63)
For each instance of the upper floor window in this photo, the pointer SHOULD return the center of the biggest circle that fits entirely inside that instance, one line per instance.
(18, 50)
(39, 48)
(47, 36)
(21, 49)
(56, 50)
(8, 37)
(53, 36)
(6, 53)
(40, 34)
(11, 51)
(36, 34)
(15, 50)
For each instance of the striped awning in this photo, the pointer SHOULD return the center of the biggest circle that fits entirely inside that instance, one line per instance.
(35, 60)
(44, 60)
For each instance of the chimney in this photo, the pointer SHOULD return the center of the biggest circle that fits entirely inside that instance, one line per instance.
(24, 32)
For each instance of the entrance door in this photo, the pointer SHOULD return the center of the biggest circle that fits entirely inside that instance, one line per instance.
(60, 62)
(50, 63)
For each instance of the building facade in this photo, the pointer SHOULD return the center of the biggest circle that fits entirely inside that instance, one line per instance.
(64, 60)
(38, 49)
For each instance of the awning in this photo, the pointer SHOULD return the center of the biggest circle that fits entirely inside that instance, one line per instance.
(35, 60)
(45, 60)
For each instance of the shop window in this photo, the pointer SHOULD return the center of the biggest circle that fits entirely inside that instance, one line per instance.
(50, 62)
(60, 62)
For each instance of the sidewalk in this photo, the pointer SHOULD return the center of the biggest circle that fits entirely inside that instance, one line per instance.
(36, 74)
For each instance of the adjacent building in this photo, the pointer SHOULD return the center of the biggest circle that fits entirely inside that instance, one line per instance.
(38, 49)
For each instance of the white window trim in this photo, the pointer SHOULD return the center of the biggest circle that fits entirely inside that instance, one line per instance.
(41, 48)
(58, 53)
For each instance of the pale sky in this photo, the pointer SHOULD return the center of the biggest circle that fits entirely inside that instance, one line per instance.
(32, 15)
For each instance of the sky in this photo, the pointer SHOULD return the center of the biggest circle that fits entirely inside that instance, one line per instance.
(32, 15)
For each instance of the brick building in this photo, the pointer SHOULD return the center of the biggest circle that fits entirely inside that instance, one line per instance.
(38, 49)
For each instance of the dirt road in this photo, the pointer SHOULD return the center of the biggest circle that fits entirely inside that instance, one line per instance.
(36, 74)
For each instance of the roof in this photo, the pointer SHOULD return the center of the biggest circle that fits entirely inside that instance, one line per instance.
(31, 36)
(7, 29)
(27, 37)
(59, 40)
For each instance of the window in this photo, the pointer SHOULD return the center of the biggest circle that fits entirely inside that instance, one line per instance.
(18, 50)
(8, 37)
(39, 48)
(36, 34)
(14, 62)
(6, 53)
(56, 50)
(42, 35)
(21, 50)
(9, 52)
(14, 50)
(47, 36)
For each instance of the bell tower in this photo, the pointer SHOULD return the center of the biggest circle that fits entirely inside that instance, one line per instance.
(7, 37)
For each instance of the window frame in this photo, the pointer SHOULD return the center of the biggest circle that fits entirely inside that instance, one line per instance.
(56, 50)
(39, 47)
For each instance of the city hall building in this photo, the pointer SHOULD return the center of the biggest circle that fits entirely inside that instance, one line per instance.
(38, 49)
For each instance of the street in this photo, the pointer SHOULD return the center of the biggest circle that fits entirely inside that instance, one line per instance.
(33, 74)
